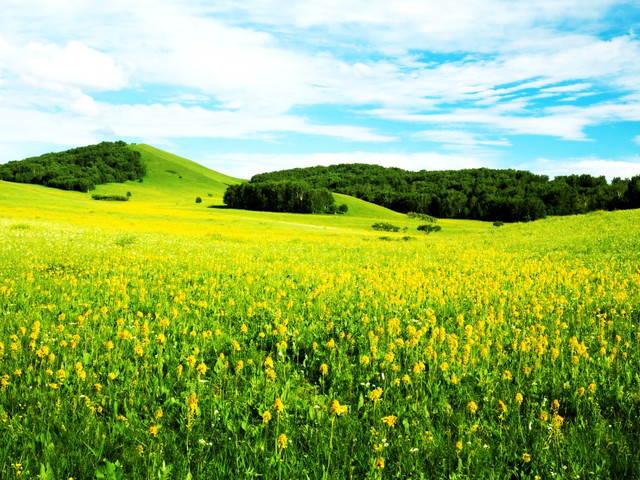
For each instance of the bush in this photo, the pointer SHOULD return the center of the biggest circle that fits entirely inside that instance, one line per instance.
(429, 228)
(422, 216)
(498, 224)
(385, 227)
(343, 208)
(110, 198)
(198, 200)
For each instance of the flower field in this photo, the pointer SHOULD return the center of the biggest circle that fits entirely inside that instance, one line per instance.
(512, 352)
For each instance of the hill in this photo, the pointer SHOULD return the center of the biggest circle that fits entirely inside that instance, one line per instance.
(164, 201)
(79, 169)
(481, 194)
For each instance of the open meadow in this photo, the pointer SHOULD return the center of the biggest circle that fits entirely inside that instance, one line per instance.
(159, 338)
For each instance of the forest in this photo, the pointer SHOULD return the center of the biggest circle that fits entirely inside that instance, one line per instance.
(480, 194)
(79, 169)
(281, 196)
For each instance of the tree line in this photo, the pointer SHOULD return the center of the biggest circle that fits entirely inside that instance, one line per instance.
(79, 169)
(281, 196)
(481, 194)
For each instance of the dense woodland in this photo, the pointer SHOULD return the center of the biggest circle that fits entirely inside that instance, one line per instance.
(283, 196)
(79, 169)
(481, 194)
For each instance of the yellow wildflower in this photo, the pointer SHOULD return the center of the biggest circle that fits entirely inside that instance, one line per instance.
(282, 442)
(390, 420)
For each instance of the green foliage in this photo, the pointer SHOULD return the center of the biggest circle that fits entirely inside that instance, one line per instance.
(110, 198)
(284, 196)
(79, 169)
(198, 199)
(343, 208)
(422, 216)
(428, 228)
(498, 224)
(480, 194)
(385, 227)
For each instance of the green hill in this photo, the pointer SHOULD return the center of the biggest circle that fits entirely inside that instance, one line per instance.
(165, 201)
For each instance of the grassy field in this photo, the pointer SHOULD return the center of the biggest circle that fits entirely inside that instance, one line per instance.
(160, 338)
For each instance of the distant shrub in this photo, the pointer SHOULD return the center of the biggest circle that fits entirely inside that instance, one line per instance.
(128, 194)
(198, 200)
(343, 208)
(110, 198)
(498, 224)
(422, 216)
(125, 240)
(385, 227)
(429, 228)
(386, 239)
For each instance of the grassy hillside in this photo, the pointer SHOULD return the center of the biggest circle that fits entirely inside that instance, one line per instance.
(165, 201)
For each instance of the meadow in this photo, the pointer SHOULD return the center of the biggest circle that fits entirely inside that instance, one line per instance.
(226, 344)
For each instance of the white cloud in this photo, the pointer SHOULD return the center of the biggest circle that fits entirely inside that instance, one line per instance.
(54, 68)
(458, 138)
(87, 121)
(245, 165)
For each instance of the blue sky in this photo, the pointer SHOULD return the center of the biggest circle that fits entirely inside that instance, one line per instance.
(243, 87)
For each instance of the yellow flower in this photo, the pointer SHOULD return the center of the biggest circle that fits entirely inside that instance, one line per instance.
(502, 408)
(580, 391)
(202, 368)
(380, 463)
(592, 388)
(278, 406)
(338, 409)
(191, 361)
(239, 365)
(454, 380)
(364, 360)
(324, 369)
(159, 413)
(526, 457)
(472, 407)
(458, 445)
(153, 430)
(138, 350)
(282, 442)
(390, 420)
(193, 403)
(555, 405)
(544, 416)
(161, 339)
(519, 398)
(419, 367)
(406, 379)
(268, 362)
(376, 394)
(557, 421)
(266, 416)
(507, 375)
